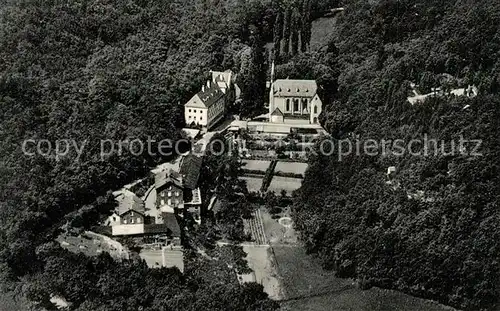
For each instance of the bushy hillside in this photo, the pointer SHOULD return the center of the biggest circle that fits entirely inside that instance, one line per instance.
(431, 229)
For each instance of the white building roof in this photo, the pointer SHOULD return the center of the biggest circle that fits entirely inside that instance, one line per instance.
(295, 88)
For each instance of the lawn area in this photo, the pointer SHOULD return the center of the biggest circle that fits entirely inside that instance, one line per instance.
(253, 183)
(322, 32)
(308, 287)
(256, 165)
(288, 184)
(291, 167)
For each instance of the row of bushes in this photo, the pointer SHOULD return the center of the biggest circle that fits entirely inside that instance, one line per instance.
(269, 176)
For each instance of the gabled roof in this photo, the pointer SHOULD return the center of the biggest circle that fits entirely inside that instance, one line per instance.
(277, 112)
(190, 170)
(166, 177)
(208, 96)
(195, 102)
(127, 201)
(295, 88)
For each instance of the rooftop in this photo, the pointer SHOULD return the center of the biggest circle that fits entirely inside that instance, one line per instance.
(209, 95)
(127, 200)
(295, 88)
(190, 170)
(168, 176)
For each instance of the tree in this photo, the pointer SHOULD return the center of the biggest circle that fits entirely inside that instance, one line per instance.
(295, 31)
(277, 37)
(254, 81)
(305, 33)
(287, 21)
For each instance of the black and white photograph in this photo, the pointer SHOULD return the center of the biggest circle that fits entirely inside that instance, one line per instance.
(250, 155)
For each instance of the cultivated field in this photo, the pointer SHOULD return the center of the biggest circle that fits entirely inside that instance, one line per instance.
(256, 165)
(291, 167)
(285, 183)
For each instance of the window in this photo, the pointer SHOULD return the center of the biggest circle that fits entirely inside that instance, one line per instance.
(189, 110)
(201, 118)
(177, 193)
(288, 105)
(162, 202)
(194, 110)
(114, 218)
(138, 220)
(169, 202)
(169, 194)
(189, 117)
(176, 202)
(296, 105)
(315, 109)
(125, 221)
(195, 118)
(132, 220)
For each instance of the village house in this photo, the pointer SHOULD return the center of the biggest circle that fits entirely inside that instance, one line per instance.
(177, 191)
(130, 218)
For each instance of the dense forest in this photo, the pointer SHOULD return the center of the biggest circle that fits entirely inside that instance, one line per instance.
(88, 71)
(431, 228)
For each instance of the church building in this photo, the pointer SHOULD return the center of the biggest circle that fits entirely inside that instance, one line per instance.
(294, 102)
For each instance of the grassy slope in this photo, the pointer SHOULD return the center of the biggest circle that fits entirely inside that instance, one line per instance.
(8, 303)
(322, 32)
(310, 288)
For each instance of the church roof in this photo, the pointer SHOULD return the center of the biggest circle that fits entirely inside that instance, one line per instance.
(295, 88)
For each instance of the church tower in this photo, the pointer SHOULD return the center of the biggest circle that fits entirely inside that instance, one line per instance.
(271, 92)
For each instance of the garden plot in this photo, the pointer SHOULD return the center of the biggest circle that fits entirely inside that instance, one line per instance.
(253, 183)
(256, 165)
(288, 184)
(291, 168)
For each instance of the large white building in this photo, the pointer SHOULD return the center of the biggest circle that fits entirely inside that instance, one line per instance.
(207, 107)
(294, 102)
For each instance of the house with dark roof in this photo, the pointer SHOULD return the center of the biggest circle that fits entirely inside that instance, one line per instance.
(130, 218)
(179, 190)
(169, 191)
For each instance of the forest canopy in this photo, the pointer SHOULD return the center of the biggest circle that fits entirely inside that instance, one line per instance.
(94, 70)
(430, 228)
